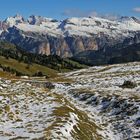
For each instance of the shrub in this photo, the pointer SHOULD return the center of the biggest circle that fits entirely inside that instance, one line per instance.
(128, 84)
(39, 73)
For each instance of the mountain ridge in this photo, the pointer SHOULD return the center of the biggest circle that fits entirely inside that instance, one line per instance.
(68, 37)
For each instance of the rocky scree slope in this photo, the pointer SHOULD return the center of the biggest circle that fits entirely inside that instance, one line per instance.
(69, 37)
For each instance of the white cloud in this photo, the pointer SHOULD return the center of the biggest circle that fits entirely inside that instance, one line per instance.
(79, 13)
(111, 16)
(137, 9)
(92, 13)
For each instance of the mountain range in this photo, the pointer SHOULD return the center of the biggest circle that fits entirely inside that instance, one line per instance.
(69, 37)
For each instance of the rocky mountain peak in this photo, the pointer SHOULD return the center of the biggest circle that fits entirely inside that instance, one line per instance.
(37, 20)
(126, 19)
(11, 21)
(85, 26)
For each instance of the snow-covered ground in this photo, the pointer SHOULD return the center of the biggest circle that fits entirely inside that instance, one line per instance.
(24, 110)
(98, 92)
(29, 111)
(89, 104)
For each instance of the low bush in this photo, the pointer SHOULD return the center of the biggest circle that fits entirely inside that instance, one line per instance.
(128, 84)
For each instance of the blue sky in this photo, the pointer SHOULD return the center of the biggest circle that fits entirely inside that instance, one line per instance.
(61, 9)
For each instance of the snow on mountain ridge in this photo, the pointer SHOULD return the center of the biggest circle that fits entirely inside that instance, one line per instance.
(86, 26)
(17, 19)
(37, 20)
(38, 29)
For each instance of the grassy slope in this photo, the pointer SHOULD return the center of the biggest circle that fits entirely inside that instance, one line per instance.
(21, 67)
(6, 75)
(48, 65)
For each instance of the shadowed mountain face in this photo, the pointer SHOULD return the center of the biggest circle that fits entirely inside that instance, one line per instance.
(114, 55)
(69, 37)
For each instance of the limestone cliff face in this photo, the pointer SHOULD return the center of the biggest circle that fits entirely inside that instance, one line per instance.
(3, 26)
(49, 45)
(44, 48)
(63, 46)
(78, 45)
(90, 44)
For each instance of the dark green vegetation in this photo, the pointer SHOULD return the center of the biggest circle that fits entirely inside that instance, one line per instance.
(20, 62)
(110, 55)
(128, 84)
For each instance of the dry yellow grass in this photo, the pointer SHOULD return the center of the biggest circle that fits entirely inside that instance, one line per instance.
(22, 67)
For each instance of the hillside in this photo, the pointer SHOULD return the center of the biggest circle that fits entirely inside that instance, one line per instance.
(20, 68)
(20, 62)
(114, 55)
